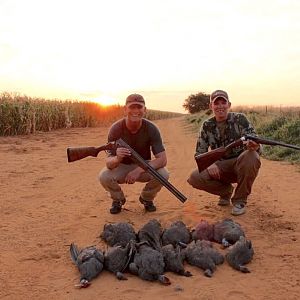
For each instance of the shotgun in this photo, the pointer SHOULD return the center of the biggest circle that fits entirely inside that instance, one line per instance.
(206, 159)
(82, 152)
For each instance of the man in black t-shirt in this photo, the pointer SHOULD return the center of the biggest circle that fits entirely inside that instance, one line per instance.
(144, 137)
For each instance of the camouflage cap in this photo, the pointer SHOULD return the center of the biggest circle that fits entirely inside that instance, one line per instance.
(218, 94)
(135, 99)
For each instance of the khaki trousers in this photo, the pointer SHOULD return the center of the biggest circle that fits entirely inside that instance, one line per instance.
(241, 170)
(111, 180)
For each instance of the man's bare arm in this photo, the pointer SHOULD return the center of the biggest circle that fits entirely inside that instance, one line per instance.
(113, 161)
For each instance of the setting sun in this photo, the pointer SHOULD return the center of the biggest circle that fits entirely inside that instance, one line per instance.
(105, 101)
(252, 50)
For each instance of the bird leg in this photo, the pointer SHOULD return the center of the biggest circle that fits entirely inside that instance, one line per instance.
(83, 284)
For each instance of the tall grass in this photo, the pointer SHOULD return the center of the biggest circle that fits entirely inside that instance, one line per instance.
(25, 115)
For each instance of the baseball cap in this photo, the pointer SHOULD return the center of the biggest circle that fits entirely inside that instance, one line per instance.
(218, 94)
(135, 99)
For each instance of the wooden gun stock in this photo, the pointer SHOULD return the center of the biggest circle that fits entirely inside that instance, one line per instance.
(77, 153)
(206, 159)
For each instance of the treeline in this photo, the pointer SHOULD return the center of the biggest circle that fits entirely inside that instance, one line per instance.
(275, 124)
(26, 115)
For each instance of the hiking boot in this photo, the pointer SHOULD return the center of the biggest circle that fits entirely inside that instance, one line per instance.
(148, 205)
(224, 202)
(116, 207)
(238, 209)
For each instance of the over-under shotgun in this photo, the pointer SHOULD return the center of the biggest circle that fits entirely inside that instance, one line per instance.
(206, 159)
(76, 153)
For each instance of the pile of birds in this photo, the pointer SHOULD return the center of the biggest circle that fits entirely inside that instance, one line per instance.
(152, 251)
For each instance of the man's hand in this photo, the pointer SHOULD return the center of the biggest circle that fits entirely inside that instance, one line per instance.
(214, 171)
(122, 152)
(251, 145)
(113, 161)
(133, 175)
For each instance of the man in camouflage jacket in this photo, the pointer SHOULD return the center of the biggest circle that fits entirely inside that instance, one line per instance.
(240, 165)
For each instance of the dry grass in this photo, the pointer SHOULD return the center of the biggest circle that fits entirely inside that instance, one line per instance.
(25, 115)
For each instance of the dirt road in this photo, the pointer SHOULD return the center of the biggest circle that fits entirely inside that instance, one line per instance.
(46, 203)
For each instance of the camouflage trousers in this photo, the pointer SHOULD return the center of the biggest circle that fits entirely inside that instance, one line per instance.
(241, 170)
(111, 180)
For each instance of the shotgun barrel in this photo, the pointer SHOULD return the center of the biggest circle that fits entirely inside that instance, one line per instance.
(270, 142)
(206, 159)
(148, 168)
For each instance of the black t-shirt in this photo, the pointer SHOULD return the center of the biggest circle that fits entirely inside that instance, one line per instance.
(144, 141)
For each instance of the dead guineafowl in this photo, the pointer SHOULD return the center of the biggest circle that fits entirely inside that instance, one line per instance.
(151, 233)
(173, 259)
(240, 254)
(148, 264)
(225, 232)
(118, 234)
(117, 259)
(202, 254)
(89, 262)
(177, 232)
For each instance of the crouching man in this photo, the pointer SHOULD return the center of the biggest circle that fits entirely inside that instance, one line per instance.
(240, 165)
(143, 136)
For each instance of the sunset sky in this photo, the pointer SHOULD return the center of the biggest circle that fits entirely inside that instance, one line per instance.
(163, 49)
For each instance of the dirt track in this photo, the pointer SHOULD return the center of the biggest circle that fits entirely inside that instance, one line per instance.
(47, 203)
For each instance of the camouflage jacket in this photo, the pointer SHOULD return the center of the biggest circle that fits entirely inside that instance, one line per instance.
(236, 126)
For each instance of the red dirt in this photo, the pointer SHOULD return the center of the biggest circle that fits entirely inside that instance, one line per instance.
(46, 203)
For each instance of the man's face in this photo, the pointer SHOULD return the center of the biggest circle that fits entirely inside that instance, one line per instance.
(135, 112)
(220, 108)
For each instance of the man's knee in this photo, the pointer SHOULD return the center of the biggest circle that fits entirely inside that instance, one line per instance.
(164, 173)
(195, 179)
(105, 176)
(249, 160)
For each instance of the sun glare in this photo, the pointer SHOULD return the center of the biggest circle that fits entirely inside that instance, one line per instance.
(105, 101)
